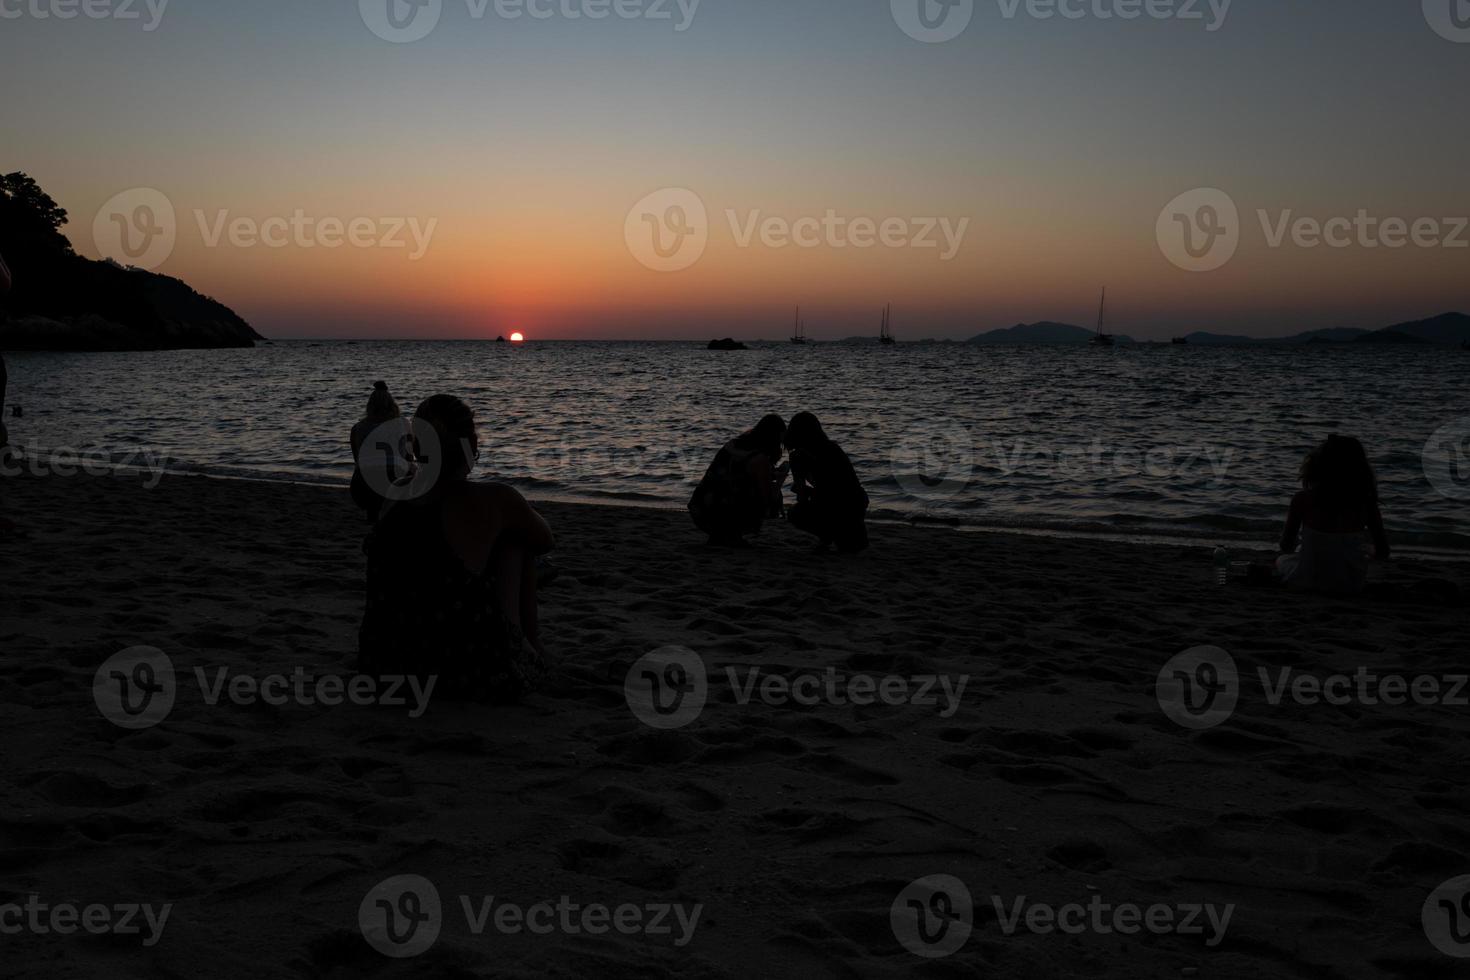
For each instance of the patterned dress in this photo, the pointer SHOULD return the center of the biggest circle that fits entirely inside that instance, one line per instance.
(429, 616)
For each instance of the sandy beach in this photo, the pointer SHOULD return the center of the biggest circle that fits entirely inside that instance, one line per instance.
(1055, 776)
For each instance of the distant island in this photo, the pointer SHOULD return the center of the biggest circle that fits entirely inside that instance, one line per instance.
(1445, 329)
(62, 301)
(1045, 332)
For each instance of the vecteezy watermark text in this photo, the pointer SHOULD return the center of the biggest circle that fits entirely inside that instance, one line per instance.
(669, 688)
(669, 230)
(140, 227)
(1201, 230)
(65, 919)
(833, 230)
(1211, 13)
(1105, 918)
(934, 917)
(406, 21)
(403, 916)
(64, 461)
(938, 21)
(937, 461)
(138, 687)
(123, 10)
(1201, 688)
(304, 231)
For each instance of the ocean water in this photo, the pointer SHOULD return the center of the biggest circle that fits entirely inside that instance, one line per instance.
(1154, 441)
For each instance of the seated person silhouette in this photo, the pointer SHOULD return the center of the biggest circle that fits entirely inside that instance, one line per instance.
(451, 583)
(376, 468)
(1332, 519)
(742, 487)
(830, 500)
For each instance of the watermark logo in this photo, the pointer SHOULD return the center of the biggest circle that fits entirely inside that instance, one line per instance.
(934, 463)
(1199, 231)
(933, 916)
(668, 230)
(1199, 688)
(401, 917)
(136, 688)
(933, 21)
(402, 459)
(668, 688)
(136, 227)
(1446, 917)
(401, 21)
(1449, 18)
(1446, 459)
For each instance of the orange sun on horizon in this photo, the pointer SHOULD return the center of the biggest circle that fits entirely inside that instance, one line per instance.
(517, 338)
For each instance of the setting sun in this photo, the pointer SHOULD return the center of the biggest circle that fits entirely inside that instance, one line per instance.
(517, 337)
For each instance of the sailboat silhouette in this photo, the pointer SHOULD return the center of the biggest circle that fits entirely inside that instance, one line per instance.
(1102, 339)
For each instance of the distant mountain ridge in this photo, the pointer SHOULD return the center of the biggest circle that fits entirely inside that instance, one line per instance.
(1445, 329)
(1044, 332)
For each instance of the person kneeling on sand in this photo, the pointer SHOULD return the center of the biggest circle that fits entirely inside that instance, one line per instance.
(830, 500)
(451, 583)
(742, 487)
(1332, 518)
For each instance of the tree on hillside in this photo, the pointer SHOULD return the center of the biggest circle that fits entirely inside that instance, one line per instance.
(29, 219)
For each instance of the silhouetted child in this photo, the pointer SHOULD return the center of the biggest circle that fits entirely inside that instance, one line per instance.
(451, 580)
(1332, 518)
(830, 500)
(742, 487)
(378, 466)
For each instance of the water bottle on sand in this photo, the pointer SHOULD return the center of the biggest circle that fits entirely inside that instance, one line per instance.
(1222, 565)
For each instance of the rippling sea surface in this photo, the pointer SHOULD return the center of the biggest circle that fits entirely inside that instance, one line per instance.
(1154, 441)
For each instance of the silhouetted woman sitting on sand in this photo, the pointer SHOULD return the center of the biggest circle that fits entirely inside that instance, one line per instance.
(451, 589)
(742, 486)
(830, 501)
(381, 468)
(1332, 518)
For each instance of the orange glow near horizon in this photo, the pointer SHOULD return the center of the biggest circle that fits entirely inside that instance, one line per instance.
(517, 337)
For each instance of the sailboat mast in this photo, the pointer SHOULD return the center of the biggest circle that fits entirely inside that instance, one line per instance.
(1101, 307)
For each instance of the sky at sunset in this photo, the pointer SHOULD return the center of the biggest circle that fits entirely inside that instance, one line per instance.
(518, 147)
